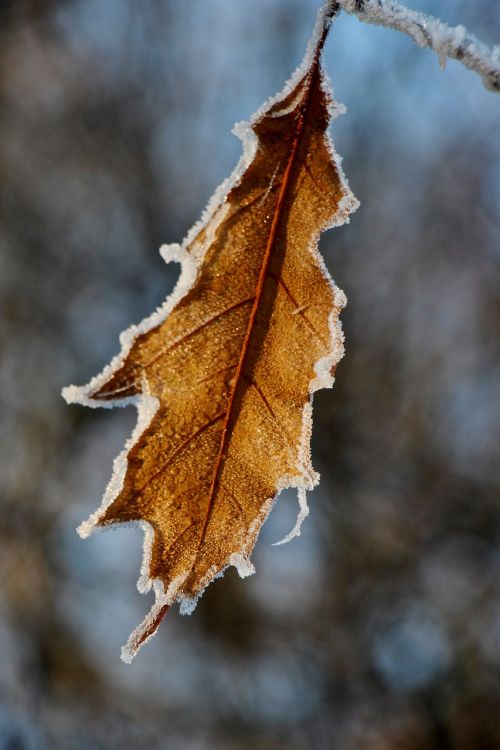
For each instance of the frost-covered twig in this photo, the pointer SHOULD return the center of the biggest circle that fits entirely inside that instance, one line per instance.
(454, 42)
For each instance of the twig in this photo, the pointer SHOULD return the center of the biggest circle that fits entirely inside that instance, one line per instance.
(426, 31)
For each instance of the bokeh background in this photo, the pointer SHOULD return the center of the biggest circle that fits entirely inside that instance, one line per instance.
(378, 629)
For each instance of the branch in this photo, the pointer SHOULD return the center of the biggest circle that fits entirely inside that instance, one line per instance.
(426, 31)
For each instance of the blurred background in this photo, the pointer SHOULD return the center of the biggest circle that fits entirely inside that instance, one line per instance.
(377, 629)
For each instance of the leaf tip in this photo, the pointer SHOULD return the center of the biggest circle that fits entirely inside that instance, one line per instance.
(302, 514)
(187, 604)
(242, 564)
(126, 654)
(146, 630)
(71, 394)
(173, 252)
(85, 529)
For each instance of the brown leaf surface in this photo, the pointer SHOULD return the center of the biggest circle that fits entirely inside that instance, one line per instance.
(225, 371)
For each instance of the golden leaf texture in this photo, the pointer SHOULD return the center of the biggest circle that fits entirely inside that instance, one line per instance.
(223, 373)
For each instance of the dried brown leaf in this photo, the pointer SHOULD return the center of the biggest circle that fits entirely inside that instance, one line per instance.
(224, 372)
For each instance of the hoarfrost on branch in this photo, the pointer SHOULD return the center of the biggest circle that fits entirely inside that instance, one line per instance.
(448, 42)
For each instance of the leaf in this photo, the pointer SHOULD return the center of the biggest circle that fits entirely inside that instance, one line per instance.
(223, 373)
